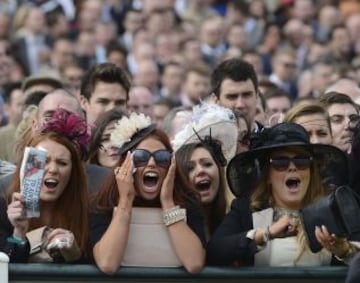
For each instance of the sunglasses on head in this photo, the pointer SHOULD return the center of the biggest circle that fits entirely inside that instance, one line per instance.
(282, 163)
(162, 157)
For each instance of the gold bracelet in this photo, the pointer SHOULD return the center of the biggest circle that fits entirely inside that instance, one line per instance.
(174, 215)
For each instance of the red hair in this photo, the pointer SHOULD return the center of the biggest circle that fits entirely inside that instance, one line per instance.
(71, 208)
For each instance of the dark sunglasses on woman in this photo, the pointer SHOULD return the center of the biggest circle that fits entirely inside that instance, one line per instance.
(282, 163)
(162, 157)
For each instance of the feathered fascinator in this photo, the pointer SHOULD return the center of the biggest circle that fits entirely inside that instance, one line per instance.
(210, 123)
(129, 131)
(70, 125)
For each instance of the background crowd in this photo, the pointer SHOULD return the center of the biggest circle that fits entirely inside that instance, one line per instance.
(292, 61)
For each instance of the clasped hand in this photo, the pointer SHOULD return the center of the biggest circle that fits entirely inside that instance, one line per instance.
(286, 226)
(61, 243)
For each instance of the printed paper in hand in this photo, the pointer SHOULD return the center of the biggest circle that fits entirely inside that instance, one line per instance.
(31, 178)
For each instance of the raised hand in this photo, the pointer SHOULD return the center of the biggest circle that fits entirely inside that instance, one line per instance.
(125, 180)
(16, 215)
(167, 188)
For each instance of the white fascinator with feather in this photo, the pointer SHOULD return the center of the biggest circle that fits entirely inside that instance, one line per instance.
(210, 120)
(129, 131)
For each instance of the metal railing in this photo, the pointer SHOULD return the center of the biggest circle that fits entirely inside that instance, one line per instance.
(87, 273)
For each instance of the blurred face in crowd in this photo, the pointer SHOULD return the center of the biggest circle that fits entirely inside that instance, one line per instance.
(321, 77)
(159, 113)
(239, 95)
(212, 31)
(317, 127)
(340, 41)
(133, 21)
(35, 21)
(118, 58)
(255, 60)
(5, 62)
(237, 37)
(277, 105)
(15, 107)
(147, 74)
(192, 51)
(108, 155)
(203, 173)
(341, 115)
(57, 170)
(140, 100)
(285, 67)
(197, 86)
(172, 78)
(63, 53)
(72, 76)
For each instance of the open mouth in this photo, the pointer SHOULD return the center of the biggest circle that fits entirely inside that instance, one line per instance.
(150, 181)
(293, 183)
(51, 183)
(203, 185)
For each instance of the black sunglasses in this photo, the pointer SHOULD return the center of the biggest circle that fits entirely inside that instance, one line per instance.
(162, 157)
(282, 163)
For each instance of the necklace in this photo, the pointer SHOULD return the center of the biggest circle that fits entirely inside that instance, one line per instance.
(279, 212)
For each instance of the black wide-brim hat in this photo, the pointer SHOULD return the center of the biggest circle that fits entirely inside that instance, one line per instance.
(245, 169)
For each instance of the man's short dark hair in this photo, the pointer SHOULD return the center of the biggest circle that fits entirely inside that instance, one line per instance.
(334, 97)
(234, 69)
(107, 73)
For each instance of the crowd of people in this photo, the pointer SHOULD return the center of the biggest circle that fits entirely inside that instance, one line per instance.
(214, 121)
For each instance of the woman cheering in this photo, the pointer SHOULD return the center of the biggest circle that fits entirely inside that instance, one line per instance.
(273, 182)
(147, 178)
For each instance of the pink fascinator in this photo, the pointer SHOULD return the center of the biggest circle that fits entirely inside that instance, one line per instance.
(70, 125)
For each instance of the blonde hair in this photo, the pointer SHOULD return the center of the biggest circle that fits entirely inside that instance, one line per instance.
(306, 108)
(262, 197)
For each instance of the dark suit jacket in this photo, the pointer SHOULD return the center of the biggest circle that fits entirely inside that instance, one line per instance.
(229, 243)
(353, 275)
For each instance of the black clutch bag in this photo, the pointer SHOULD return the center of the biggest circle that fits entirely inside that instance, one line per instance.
(339, 212)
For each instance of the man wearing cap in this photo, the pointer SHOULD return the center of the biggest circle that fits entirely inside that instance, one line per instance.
(40, 82)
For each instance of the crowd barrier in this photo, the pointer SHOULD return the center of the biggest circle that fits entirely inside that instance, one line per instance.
(89, 273)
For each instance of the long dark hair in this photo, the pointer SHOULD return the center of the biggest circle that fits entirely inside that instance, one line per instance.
(101, 123)
(217, 208)
(108, 197)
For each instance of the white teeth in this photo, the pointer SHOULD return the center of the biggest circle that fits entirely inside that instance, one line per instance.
(151, 174)
(51, 180)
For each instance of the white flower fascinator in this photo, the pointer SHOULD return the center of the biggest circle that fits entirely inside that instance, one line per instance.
(129, 131)
(210, 119)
